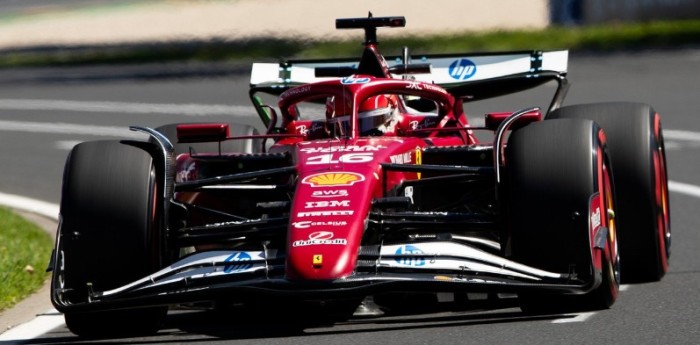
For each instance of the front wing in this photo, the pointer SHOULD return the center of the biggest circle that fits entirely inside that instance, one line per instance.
(412, 267)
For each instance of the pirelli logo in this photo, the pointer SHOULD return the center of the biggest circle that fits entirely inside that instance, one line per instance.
(333, 179)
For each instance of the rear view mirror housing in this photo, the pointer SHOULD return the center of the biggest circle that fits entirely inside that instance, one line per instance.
(202, 132)
(493, 120)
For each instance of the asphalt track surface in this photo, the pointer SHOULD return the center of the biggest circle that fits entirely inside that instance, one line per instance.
(44, 112)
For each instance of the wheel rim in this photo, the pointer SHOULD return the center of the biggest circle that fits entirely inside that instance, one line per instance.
(611, 251)
(661, 197)
(611, 254)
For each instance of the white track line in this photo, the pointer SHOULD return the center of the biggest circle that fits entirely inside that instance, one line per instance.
(127, 107)
(68, 128)
(684, 188)
(41, 324)
(580, 317)
(21, 203)
(675, 134)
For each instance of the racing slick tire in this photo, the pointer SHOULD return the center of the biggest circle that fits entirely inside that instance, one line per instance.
(636, 146)
(559, 181)
(108, 236)
(245, 146)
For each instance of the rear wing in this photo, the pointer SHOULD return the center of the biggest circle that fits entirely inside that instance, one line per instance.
(469, 77)
(449, 71)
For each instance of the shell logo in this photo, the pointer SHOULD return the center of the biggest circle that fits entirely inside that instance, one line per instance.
(332, 179)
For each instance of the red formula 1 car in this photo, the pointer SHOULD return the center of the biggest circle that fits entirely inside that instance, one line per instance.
(368, 182)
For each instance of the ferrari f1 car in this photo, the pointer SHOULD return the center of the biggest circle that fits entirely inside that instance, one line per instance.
(366, 179)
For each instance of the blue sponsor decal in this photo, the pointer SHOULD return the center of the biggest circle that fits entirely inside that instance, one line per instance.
(351, 80)
(242, 260)
(462, 69)
(410, 261)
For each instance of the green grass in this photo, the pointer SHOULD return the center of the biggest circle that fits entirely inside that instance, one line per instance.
(661, 34)
(24, 254)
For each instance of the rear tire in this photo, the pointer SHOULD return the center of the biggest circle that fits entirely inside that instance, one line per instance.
(636, 146)
(556, 169)
(109, 234)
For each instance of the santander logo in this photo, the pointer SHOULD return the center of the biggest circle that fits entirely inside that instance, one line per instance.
(320, 238)
(321, 235)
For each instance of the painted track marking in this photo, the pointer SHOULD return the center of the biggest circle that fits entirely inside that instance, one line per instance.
(68, 128)
(189, 109)
(580, 317)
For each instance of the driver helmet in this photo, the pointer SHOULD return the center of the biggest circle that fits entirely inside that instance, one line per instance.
(374, 114)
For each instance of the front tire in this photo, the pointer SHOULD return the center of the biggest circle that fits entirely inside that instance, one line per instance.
(558, 179)
(109, 234)
(636, 146)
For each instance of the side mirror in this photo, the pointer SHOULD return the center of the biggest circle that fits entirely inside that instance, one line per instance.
(493, 120)
(202, 132)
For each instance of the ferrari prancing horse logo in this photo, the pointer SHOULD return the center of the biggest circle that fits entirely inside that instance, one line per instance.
(318, 260)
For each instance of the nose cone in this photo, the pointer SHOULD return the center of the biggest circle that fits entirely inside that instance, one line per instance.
(327, 221)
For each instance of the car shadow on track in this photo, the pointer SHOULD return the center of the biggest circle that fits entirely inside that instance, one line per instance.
(233, 324)
(246, 326)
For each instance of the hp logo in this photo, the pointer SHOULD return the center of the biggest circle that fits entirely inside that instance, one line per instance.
(240, 260)
(410, 261)
(462, 69)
